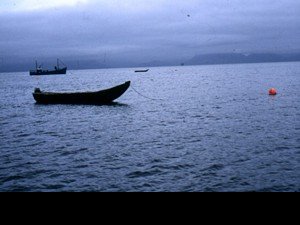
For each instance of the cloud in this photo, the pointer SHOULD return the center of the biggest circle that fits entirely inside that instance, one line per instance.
(135, 31)
(31, 5)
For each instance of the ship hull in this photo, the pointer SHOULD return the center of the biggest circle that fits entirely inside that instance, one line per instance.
(48, 72)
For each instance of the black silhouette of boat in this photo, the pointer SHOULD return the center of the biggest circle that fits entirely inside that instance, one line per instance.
(102, 97)
(142, 71)
(39, 71)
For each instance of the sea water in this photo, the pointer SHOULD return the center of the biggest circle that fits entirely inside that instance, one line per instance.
(191, 128)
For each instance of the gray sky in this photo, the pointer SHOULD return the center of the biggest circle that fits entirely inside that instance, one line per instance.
(132, 32)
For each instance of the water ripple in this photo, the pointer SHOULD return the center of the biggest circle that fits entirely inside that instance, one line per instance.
(141, 174)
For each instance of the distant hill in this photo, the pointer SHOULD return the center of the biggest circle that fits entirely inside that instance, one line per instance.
(154, 64)
(235, 58)
(10, 65)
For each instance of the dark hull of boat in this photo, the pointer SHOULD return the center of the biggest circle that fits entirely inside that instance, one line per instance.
(141, 71)
(48, 72)
(103, 97)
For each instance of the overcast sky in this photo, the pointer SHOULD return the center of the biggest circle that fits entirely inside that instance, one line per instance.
(124, 32)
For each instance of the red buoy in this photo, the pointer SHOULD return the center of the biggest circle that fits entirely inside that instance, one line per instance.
(272, 91)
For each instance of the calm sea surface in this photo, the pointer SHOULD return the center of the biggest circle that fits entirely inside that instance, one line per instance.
(212, 128)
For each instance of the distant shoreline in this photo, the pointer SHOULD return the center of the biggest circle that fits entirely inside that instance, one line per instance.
(170, 65)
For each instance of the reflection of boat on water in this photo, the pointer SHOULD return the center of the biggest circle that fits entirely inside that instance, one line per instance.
(142, 71)
(57, 70)
(84, 98)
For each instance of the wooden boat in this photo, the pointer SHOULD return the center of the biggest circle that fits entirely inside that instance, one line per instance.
(39, 71)
(102, 97)
(142, 71)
